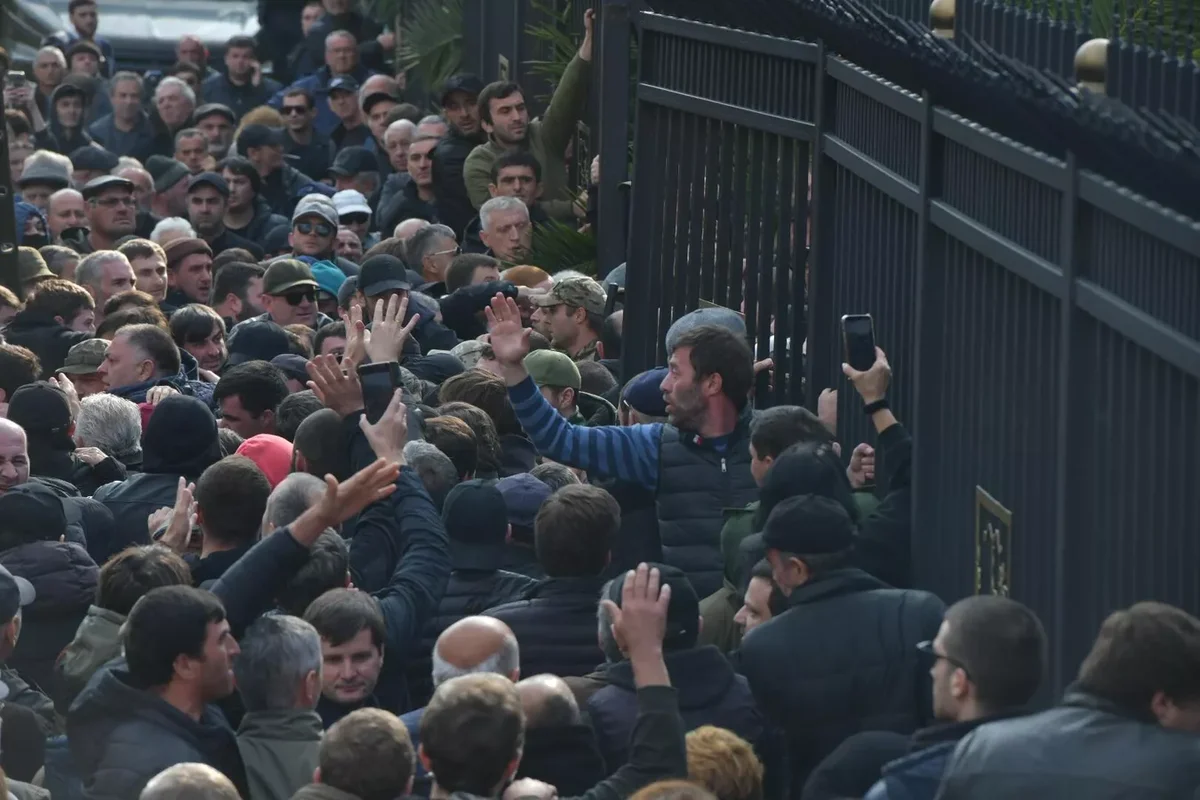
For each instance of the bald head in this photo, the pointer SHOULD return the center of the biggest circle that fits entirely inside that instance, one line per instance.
(189, 782)
(378, 83)
(476, 645)
(548, 702)
(405, 230)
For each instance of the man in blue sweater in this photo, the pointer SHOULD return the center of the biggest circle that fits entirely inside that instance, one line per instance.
(697, 463)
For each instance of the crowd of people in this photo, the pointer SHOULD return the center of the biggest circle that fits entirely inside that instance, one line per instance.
(311, 487)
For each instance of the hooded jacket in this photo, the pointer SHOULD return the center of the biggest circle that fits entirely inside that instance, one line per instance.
(710, 693)
(23, 211)
(65, 578)
(122, 736)
(76, 138)
(279, 749)
(180, 439)
(97, 641)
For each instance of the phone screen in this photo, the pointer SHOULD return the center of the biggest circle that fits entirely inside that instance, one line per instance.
(858, 331)
(15, 80)
(378, 387)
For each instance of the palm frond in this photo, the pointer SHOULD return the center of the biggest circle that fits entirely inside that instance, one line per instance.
(557, 246)
(431, 45)
(556, 47)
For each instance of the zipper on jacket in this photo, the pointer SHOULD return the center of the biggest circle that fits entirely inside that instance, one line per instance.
(723, 469)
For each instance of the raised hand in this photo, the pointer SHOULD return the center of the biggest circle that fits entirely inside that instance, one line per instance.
(388, 436)
(862, 466)
(356, 337)
(385, 340)
(872, 385)
(336, 388)
(68, 388)
(640, 623)
(183, 518)
(369, 485)
(509, 338)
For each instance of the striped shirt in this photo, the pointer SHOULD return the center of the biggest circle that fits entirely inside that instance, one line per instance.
(627, 453)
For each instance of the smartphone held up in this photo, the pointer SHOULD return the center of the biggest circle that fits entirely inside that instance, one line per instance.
(858, 337)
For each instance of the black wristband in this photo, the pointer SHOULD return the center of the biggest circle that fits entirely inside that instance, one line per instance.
(879, 405)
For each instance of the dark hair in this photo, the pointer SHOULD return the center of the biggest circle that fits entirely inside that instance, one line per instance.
(194, 323)
(340, 614)
(485, 391)
(56, 297)
(462, 268)
(18, 366)
(775, 429)
(300, 339)
(231, 496)
(1141, 651)
(74, 5)
(134, 317)
(1001, 645)
(610, 335)
(233, 279)
(481, 425)
(319, 440)
(166, 623)
(455, 438)
(299, 91)
(130, 298)
(367, 754)
(574, 531)
(243, 168)
(778, 602)
(718, 351)
(18, 122)
(241, 41)
(183, 66)
(333, 329)
(517, 158)
(406, 111)
(497, 90)
(594, 377)
(324, 570)
(471, 731)
(259, 385)
(131, 573)
(555, 475)
(229, 440)
(294, 409)
(805, 468)
(234, 255)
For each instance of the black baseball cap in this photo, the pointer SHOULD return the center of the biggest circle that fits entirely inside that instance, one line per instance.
(353, 160)
(14, 592)
(259, 136)
(343, 83)
(808, 524)
(374, 98)
(683, 612)
(382, 273)
(210, 179)
(476, 524)
(461, 83)
(256, 340)
(208, 109)
(93, 157)
(292, 366)
(40, 408)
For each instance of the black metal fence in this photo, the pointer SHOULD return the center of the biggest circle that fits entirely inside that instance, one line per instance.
(1041, 322)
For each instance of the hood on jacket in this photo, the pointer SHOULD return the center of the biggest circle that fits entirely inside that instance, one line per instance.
(97, 641)
(62, 573)
(701, 675)
(180, 438)
(597, 411)
(23, 212)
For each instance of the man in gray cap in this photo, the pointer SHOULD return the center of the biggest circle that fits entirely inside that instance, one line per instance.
(111, 212)
(170, 186)
(83, 365)
(43, 177)
(314, 232)
(90, 162)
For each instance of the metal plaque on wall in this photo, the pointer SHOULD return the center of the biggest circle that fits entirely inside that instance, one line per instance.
(993, 545)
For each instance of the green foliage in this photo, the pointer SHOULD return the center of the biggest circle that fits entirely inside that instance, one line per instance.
(555, 45)
(557, 246)
(1160, 24)
(431, 46)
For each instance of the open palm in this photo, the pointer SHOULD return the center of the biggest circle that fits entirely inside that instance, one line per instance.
(509, 338)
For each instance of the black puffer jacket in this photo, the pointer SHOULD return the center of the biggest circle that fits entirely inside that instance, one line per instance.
(556, 626)
(89, 522)
(866, 674)
(121, 737)
(450, 189)
(64, 577)
(469, 592)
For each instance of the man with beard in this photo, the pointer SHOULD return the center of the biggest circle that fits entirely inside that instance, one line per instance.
(242, 86)
(216, 122)
(571, 316)
(208, 199)
(459, 100)
(696, 464)
(85, 19)
(189, 271)
(505, 118)
(248, 214)
(282, 185)
(200, 331)
(237, 292)
(127, 131)
(110, 213)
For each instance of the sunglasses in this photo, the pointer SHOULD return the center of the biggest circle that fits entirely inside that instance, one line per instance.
(296, 298)
(322, 228)
(355, 219)
(290, 110)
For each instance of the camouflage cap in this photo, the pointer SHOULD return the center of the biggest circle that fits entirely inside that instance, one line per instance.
(580, 292)
(85, 357)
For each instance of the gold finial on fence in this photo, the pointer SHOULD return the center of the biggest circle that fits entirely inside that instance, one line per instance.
(1091, 65)
(941, 18)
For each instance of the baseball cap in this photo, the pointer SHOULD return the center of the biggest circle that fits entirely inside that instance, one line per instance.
(259, 136)
(683, 610)
(469, 352)
(256, 340)
(351, 201)
(552, 368)
(49, 173)
(374, 98)
(166, 171)
(644, 393)
(208, 109)
(292, 366)
(287, 273)
(210, 179)
(96, 186)
(14, 592)
(85, 358)
(523, 495)
(464, 82)
(329, 276)
(343, 83)
(476, 523)
(35, 510)
(349, 287)
(721, 317)
(40, 408)
(84, 46)
(382, 273)
(810, 525)
(581, 292)
(318, 205)
(353, 160)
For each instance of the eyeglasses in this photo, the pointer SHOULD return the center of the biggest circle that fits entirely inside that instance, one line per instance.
(926, 648)
(297, 297)
(290, 110)
(321, 228)
(117, 202)
(453, 251)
